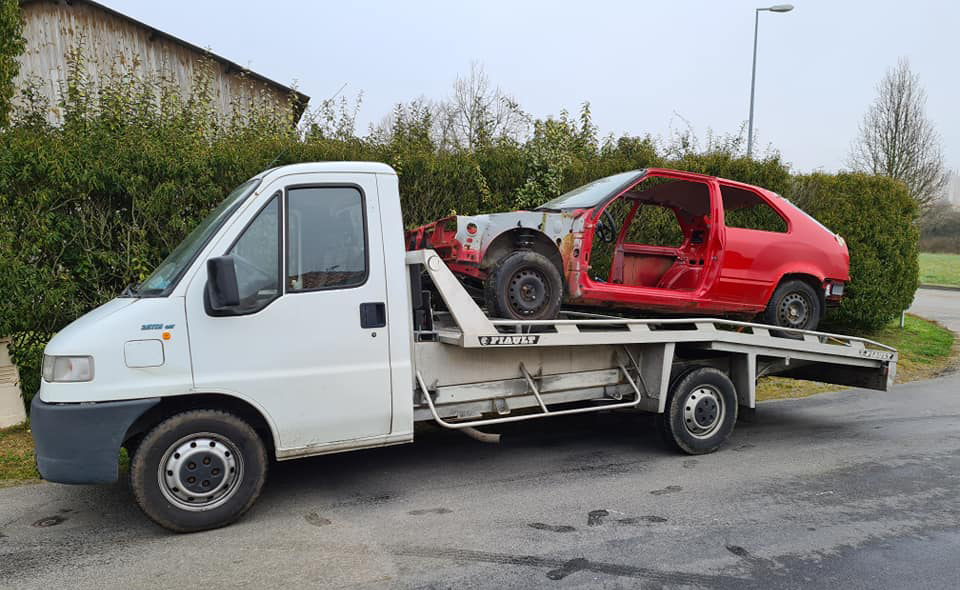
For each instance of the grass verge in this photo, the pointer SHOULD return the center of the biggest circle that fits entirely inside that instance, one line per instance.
(940, 269)
(16, 456)
(926, 350)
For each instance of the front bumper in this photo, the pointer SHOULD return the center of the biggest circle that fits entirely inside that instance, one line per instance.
(80, 443)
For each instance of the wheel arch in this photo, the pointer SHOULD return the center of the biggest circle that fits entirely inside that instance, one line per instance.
(175, 404)
(523, 238)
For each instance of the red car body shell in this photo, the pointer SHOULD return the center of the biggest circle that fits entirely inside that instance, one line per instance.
(729, 270)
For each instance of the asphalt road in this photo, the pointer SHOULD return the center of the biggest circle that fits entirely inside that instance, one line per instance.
(850, 490)
(942, 305)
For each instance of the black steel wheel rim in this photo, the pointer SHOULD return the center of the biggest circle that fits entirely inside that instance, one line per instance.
(528, 292)
(793, 310)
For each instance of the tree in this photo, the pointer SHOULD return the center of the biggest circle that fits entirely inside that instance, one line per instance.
(415, 124)
(478, 113)
(896, 138)
(11, 46)
(335, 118)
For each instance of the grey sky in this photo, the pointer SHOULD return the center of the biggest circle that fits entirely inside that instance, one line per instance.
(644, 66)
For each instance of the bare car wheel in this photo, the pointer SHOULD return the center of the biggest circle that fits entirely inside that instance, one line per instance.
(794, 305)
(524, 285)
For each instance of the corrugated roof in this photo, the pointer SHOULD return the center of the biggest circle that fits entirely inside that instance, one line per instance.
(301, 99)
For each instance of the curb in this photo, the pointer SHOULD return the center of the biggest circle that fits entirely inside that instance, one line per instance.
(939, 287)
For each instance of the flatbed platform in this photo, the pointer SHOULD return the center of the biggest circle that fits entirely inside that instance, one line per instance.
(480, 371)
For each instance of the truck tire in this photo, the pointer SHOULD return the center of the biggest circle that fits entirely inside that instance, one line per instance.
(198, 470)
(701, 411)
(794, 305)
(524, 285)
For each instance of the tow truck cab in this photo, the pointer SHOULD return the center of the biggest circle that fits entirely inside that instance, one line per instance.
(317, 252)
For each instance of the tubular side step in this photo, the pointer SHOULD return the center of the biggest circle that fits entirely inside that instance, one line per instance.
(544, 412)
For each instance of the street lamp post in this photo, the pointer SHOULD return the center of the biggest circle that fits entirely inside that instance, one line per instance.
(753, 77)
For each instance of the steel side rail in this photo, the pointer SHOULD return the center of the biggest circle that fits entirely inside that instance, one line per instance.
(615, 321)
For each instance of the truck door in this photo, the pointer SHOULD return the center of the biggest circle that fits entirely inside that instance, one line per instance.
(308, 343)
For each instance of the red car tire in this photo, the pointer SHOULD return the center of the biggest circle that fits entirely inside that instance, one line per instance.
(794, 304)
(524, 285)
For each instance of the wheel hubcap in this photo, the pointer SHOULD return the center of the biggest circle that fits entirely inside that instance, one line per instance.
(703, 411)
(794, 311)
(528, 291)
(200, 471)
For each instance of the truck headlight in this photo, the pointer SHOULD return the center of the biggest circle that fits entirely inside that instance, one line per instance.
(67, 369)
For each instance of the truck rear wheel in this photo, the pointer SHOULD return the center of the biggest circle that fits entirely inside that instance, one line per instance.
(198, 470)
(524, 285)
(701, 411)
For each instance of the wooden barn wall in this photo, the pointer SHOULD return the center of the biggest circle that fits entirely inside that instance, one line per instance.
(52, 29)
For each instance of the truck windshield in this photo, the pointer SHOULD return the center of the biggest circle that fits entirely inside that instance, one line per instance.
(166, 276)
(590, 194)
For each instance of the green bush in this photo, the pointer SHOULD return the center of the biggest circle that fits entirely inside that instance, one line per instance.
(877, 218)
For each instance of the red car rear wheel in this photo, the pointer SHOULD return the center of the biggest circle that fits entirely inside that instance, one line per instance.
(794, 305)
(524, 285)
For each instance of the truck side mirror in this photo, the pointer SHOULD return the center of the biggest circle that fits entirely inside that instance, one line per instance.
(223, 292)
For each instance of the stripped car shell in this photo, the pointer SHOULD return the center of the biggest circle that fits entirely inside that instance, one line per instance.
(717, 269)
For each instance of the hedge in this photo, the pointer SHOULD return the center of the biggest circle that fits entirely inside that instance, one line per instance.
(93, 204)
(877, 218)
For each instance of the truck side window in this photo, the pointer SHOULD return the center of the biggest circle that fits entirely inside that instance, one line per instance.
(256, 256)
(745, 209)
(326, 238)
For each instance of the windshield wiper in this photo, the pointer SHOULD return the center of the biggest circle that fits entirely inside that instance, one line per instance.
(129, 291)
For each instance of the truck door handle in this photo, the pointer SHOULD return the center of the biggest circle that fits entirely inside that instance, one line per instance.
(373, 315)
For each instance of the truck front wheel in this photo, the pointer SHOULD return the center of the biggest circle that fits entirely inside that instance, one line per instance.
(701, 411)
(524, 285)
(198, 470)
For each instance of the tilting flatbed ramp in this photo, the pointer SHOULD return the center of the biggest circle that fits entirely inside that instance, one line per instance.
(480, 371)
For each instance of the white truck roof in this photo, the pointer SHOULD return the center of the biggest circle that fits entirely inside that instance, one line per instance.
(328, 167)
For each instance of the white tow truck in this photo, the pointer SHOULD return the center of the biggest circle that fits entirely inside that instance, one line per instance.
(292, 323)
